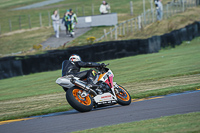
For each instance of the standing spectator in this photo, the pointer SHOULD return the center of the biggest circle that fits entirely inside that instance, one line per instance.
(156, 3)
(159, 9)
(71, 20)
(104, 8)
(66, 22)
(55, 18)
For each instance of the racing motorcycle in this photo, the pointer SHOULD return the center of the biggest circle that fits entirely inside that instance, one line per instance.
(83, 98)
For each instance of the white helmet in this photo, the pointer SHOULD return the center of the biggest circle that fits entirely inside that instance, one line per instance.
(75, 58)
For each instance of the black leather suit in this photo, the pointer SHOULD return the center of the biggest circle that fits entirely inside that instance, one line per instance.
(73, 68)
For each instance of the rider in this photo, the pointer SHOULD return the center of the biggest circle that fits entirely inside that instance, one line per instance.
(71, 18)
(73, 65)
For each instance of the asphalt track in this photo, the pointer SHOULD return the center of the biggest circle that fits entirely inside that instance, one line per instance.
(138, 110)
(54, 42)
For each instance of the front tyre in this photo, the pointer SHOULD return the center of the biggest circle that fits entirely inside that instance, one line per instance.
(82, 104)
(123, 97)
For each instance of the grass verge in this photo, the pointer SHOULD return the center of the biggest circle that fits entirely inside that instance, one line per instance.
(170, 124)
(169, 71)
(24, 41)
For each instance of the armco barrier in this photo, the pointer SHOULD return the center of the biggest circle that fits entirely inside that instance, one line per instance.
(10, 68)
(15, 66)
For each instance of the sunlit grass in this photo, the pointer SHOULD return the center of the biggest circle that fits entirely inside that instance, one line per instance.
(38, 92)
(170, 124)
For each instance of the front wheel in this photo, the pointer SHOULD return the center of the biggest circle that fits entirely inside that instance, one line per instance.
(123, 97)
(82, 104)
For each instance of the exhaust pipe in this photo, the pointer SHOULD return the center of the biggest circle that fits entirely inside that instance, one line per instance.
(83, 86)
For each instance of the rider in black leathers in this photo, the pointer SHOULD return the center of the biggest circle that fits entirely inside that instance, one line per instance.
(73, 66)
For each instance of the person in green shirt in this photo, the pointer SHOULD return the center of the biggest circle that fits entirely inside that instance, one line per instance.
(71, 20)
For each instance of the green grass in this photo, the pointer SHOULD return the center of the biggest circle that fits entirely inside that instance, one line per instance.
(165, 91)
(186, 123)
(7, 13)
(171, 70)
(29, 85)
(23, 41)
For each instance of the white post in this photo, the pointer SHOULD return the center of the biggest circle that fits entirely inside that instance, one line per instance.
(167, 10)
(127, 29)
(131, 7)
(135, 24)
(139, 22)
(153, 16)
(123, 29)
(144, 12)
(183, 3)
(111, 36)
(131, 26)
(116, 32)
(105, 33)
(120, 33)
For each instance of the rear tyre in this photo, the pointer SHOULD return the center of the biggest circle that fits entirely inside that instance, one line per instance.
(82, 104)
(123, 97)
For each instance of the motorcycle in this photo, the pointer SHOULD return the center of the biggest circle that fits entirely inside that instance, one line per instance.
(83, 98)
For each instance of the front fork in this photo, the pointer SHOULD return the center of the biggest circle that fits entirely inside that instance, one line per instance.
(115, 90)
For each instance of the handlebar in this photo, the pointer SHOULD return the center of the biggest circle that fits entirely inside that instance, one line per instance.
(107, 64)
(102, 67)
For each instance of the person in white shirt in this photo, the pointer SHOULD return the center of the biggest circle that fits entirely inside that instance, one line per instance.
(56, 20)
(159, 9)
(104, 8)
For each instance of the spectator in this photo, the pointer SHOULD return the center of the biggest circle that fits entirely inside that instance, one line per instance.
(71, 20)
(55, 18)
(156, 3)
(159, 9)
(66, 22)
(104, 8)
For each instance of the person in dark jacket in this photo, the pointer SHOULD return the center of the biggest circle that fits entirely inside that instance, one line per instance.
(66, 22)
(73, 66)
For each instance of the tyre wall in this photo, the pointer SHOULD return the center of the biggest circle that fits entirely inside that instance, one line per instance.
(52, 60)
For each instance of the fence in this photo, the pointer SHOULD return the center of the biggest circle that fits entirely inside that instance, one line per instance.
(18, 22)
(52, 60)
(39, 18)
(146, 18)
(25, 22)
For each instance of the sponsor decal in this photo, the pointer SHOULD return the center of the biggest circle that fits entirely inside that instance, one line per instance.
(106, 96)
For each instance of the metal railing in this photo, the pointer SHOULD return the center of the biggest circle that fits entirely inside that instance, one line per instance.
(146, 18)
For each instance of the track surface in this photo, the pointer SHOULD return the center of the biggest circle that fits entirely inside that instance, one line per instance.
(54, 42)
(73, 121)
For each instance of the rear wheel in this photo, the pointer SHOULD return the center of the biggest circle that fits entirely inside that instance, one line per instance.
(74, 98)
(123, 97)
